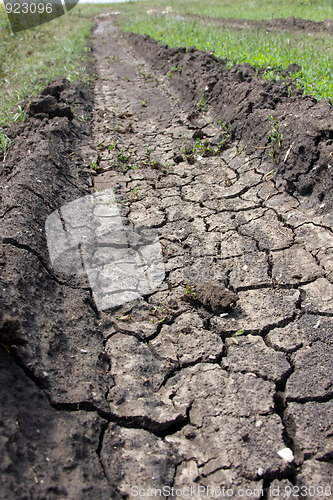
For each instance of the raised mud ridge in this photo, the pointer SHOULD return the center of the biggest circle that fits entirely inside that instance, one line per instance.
(293, 24)
(204, 381)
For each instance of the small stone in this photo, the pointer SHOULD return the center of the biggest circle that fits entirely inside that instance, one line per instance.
(286, 454)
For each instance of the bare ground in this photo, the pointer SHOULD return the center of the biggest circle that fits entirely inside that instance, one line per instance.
(161, 391)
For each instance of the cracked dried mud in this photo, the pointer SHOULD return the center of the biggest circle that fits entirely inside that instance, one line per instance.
(203, 381)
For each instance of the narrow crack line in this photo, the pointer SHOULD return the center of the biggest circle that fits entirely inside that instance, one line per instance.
(322, 226)
(277, 286)
(235, 211)
(179, 366)
(74, 406)
(78, 406)
(27, 248)
(8, 210)
(241, 192)
(31, 190)
(159, 429)
(83, 190)
(264, 330)
(104, 427)
(314, 399)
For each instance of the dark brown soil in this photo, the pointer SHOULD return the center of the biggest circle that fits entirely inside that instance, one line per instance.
(242, 99)
(292, 24)
(203, 381)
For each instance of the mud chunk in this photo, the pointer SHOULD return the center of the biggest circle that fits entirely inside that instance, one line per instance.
(56, 87)
(294, 68)
(10, 333)
(215, 296)
(47, 104)
(42, 106)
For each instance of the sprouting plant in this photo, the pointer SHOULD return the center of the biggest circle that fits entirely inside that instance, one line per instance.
(127, 78)
(112, 147)
(237, 334)
(159, 312)
(204, 147)
(4, 142)
(201, 104)
(117, 128)
(144, 103)
(19, 115)
(275, 136)
(146, 76)
(226, 132)
(122, 157)
(190, 292)
(83, 118)
(93, 164)
(241, 149)
(134, 194)
(171, 71)
(124, 318)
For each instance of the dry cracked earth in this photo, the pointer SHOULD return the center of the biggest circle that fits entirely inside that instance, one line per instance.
(220, 380)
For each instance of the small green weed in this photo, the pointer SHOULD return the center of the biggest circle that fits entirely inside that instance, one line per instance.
(237, 334)
(203, 147)
(201, 104)
(275, 137)
(95, 163)
(171, 71)
(160, 313)
(190, 293)
(124, 318)
(147, 76)
(20, 115)
(4, 142)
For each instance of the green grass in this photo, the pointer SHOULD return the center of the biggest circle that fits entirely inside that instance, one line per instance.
(30, 59)
(316, 10)
(274, 51)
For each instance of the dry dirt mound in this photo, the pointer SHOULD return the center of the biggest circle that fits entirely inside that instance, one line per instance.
(293, 24)
(240, 98)
(206, 381)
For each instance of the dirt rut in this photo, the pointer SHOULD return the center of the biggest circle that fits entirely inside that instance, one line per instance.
(194, 387)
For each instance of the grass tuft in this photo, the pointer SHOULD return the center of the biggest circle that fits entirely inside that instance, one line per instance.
(30, 59)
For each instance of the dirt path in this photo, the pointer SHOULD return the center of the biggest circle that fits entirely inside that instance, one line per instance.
(203, 382)
(217, 408)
